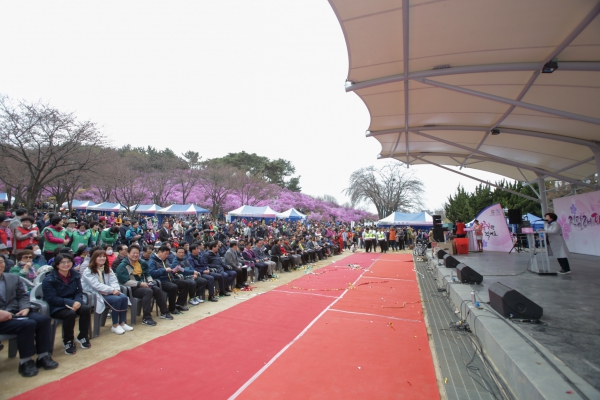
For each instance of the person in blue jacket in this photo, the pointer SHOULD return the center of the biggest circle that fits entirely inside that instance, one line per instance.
(160, 269)
(63, 292)
(197, 291)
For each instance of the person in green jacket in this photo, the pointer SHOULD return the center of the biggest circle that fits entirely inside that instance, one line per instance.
(109, 236)
(80, 237)
(55, 236)
(133, 272)
(94, 234)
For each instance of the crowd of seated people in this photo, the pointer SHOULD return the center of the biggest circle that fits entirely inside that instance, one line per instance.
(93, 262)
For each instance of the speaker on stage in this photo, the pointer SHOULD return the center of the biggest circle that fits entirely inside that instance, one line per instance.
(467, 275)
(438, 233)
(509, 302)
(441, 254)
(515, 216)
(450, 262)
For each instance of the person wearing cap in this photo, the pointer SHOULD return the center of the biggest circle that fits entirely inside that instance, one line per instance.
(33, 330)
(71, 225)
(6, 235)
(80, 237)
(26, 233)
(123, 229)
(55, 236)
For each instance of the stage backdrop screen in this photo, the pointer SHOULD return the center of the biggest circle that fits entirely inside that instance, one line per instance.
(496, 236)
(579, 217)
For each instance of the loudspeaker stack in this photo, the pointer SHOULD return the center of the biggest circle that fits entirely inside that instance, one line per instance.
(438, 230)
(515, 217)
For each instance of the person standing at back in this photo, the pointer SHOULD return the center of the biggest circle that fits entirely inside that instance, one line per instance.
(557, 243)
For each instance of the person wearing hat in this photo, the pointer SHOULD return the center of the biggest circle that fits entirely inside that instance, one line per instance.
(33, 330)
(55, 236)
(4, 254)
(123, 230)
(6, 235)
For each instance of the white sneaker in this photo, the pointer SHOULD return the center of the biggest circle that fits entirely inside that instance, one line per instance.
(126, 327)
(199, 300)
(118, 330)
(193, 302)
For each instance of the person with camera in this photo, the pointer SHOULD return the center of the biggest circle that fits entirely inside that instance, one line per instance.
(197, 290)
(160, 269)
(133, 272)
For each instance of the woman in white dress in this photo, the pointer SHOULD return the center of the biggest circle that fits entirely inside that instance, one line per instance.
(558, 246)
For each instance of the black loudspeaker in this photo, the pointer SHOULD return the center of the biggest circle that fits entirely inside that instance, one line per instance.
(515, 216)
(441, 254)
(450, 262)
(513, 304)
(437, 220)
(438, 234)
(467, 275)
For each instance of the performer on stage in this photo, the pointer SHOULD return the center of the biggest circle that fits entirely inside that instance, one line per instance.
(478, 230)
(558, 246)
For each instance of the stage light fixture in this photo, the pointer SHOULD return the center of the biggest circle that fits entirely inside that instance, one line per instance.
(549, 67)
(495, 131)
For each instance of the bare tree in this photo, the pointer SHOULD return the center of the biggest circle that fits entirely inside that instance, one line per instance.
(185, 181)
(252, 189)
(46, 143)
(15, 181)
(217, 182)
(129, 185)
(390, 189)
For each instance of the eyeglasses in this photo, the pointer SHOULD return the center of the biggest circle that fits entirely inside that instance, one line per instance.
(27, 257)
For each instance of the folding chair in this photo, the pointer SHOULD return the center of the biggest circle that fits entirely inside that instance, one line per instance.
(12, 344)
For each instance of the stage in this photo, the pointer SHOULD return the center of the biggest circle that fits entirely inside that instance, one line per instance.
(557, 359)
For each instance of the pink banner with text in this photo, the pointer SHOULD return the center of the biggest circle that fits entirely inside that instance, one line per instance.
(579, 217)
(496, 236)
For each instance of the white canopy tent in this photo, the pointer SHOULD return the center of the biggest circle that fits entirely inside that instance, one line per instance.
(292, 214)
(509, 87)
(403, 219)
(252, 212)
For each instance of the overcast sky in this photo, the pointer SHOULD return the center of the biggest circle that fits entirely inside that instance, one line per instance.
(266, 77)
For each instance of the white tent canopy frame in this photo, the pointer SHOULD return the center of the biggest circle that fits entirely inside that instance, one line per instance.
(439, 94)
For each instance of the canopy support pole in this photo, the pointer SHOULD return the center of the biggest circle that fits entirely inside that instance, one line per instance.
(480, 180)
(543, 198)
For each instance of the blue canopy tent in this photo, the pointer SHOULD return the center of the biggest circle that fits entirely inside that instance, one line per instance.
(292, 214)
(182, 209)
(147, 209)
(4, 197)
(265, 212)
(79, 204)
(417, 220)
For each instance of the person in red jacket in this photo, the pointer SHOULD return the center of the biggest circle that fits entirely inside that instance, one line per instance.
(27, 233)
(460, 229)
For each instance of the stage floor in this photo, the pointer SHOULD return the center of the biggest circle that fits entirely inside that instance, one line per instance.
(570, 302)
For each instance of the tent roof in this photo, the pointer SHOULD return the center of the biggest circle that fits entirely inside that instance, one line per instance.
(291, 213)
(398, 218)
(80, 204)
(182, 209)
(106, 206)
(256, 212)
(147, 208)
(437, 77)
(4, 197)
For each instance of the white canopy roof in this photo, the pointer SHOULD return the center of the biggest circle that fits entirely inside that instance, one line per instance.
(459, 83)
(254, 212)
(292, 213)
(415, 219)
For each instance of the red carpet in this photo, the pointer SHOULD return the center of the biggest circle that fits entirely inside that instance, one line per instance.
(238, 343)
(372, 343)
